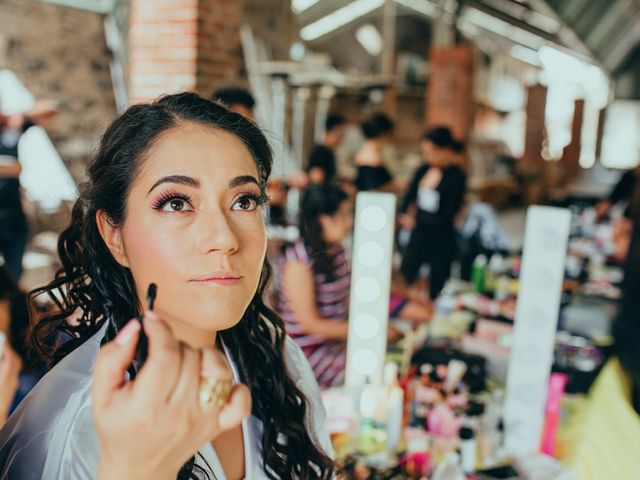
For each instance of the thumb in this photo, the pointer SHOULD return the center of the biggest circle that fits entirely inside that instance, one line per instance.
(112, 362)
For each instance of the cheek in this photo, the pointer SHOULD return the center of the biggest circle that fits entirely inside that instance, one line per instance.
(252, 246)
(153, 253)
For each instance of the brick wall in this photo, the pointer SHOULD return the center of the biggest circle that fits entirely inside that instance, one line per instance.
(531, 160)
(449, 91)
(179, 45)
(571, 153)
(162, 47)
(195, 44)
(219, 59)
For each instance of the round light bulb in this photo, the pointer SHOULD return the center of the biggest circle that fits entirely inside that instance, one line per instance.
(368, 289)
(365, 361)
(366, 326)
(371, 254)
(373, 218)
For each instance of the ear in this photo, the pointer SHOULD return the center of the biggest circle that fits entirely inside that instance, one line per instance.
(112, 237)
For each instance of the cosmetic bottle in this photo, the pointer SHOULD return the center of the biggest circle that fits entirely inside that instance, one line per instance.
(372, 434)
(468, 449)
(478, 273)
(449, 468)
(394, 405)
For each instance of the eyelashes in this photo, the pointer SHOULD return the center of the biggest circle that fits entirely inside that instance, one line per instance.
(169, 196)
(260, 199)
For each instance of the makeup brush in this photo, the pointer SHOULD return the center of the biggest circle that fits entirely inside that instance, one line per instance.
(142, 349)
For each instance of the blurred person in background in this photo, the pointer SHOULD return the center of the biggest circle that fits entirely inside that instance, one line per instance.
(10, 366)
(429, 209)
(237, 99)
(459, 157)
(14, 229)
(371, 171)
(316, 279)
(626, 191)
(604, 437)
(321, 167)
(14, 324)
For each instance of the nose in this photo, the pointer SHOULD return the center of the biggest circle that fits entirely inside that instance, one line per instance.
(215, 233)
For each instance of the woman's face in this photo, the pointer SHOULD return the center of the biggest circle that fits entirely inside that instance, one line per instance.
(434, 155)
(194, 227)
(336, 227)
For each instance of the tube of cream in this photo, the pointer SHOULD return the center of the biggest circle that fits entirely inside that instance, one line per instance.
(557, 384)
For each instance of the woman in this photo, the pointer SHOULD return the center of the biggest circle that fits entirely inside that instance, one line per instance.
(14, 230)
(174, 197)
(14, 323)
(602, 439)
(429, 209)
(9, 370)
(316, 278)
(372, 174)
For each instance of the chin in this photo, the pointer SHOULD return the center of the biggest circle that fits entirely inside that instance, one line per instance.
(221, 315)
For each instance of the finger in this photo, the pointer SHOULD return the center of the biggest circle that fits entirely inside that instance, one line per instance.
(186, 390)
(237, 408)
(112, 362)
(213, 366)
(160, 372)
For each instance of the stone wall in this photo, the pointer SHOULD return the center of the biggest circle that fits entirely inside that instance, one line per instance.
(60, 53)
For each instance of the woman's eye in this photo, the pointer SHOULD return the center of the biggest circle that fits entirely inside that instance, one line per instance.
(176, 205)
(245, 204)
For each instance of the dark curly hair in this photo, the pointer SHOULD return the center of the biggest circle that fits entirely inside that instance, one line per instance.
(319, 200)
(93, 283)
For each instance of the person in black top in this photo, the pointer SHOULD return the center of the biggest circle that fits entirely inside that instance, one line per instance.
(321, 167)
(14, 229)
(435, 196)
(626, 190)
(372, 174)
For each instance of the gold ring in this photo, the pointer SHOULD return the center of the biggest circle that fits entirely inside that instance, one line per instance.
(214, 392)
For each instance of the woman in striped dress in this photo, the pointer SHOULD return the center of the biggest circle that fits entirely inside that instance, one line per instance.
(314, 298)
(316, 279)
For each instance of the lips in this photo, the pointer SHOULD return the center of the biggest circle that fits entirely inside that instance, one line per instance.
(218, 278)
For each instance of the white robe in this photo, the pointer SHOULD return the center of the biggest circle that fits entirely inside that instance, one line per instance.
(51, 435)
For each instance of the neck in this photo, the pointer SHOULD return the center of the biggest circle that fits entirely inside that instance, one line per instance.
(192, 336)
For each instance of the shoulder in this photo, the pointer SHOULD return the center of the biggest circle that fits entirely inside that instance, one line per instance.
(52, 434)
(301, 373)
(297, 252)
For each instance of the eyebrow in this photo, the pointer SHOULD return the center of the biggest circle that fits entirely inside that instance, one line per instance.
(242, 180)
(180, 179)
(192, 182)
